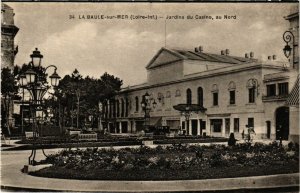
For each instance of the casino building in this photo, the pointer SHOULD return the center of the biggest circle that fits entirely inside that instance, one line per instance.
(193, 92)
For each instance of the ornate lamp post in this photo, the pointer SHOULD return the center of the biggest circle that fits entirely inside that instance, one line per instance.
(288, 37)
(146, 105)
(35, 81)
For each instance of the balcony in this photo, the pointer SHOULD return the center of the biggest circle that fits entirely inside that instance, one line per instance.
(274, 98)
(277, 76)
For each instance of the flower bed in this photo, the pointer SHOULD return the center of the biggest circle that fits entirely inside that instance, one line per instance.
(173, 162)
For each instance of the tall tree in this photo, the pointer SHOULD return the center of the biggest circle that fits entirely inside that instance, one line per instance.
(8, 91)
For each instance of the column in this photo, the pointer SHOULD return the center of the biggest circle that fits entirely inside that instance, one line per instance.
(108, 127)
(190, 127)
(186, 127)
(198, 126)
(223, 128)
(120, 127)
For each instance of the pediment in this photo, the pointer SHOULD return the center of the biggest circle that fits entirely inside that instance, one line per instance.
(164, 56)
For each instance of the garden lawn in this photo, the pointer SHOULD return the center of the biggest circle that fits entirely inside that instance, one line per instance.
(177, 162)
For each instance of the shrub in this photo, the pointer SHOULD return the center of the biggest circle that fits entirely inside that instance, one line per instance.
(231, 140)
(215, 159)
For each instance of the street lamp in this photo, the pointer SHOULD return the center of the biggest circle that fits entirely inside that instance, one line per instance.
(146, 105)
(35, 81)
(288, 37)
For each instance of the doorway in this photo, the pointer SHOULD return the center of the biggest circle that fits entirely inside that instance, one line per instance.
(194, 127)
(227, 127)
(282, 123)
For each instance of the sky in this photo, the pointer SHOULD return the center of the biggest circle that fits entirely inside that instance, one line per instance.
(123, 47)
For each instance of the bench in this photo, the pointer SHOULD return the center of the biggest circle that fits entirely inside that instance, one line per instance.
(28, 134)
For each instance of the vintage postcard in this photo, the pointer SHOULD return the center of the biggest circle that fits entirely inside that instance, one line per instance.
(149, 97)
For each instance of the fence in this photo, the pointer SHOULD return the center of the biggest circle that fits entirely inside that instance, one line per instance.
(87, 137)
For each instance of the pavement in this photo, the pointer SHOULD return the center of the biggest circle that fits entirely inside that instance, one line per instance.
(12, 178)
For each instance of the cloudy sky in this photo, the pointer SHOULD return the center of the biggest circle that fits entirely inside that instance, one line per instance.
(124, 47)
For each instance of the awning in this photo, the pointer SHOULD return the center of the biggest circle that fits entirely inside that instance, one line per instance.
(189, 107)
(155, 121)
(293, 98)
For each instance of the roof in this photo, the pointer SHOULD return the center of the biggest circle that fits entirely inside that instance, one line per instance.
(168, 55)
(293, 98)
(4, 6)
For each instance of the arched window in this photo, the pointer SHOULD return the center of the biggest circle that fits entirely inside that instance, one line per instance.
(122, 107)
(252, 85)
(188, 96)
(126, 107)
(168, 95)
(136, 104)
(177, 94)
(231, 89)
(114, 107)
(118, 108)
(200, 96)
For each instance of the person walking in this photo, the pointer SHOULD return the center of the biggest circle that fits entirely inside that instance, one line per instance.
(246, 135)
(251, 133)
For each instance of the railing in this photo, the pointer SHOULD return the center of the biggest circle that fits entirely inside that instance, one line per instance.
(277, 97)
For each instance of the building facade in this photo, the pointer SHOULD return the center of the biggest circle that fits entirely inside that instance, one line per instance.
(231, 91)
(230, 94)
(293, 99)
(8, 33)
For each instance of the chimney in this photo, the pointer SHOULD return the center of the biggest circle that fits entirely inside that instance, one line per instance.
(196, 49)
(200, 49)
(246, 55)
(274, 57)
(222, 52)
(251, 54)
(269, 58)
(227, 52)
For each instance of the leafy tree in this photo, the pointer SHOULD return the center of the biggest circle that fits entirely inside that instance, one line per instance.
(84, 94)
(8, 91)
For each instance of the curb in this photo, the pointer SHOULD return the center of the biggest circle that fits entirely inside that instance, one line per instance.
(270, 183)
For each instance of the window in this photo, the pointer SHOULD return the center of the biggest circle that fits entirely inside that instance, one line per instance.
(188, 96)
(236, 125)
(118, 108)
(231, 88)
(122, 108)
(200, 96)
(215, 99)
(215, 91)
(126, 107)
(251, 95)
(232, 97)
(271, 90)
(136, 104)
(252, 85)
(168, 95)
(114, 108)
(283, 88)
(216, 125)
(251, 122)
(177, 94)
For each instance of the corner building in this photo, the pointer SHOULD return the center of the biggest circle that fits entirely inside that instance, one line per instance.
(233, 91)
(8, 33)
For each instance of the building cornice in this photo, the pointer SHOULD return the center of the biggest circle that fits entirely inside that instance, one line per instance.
(195, 77)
